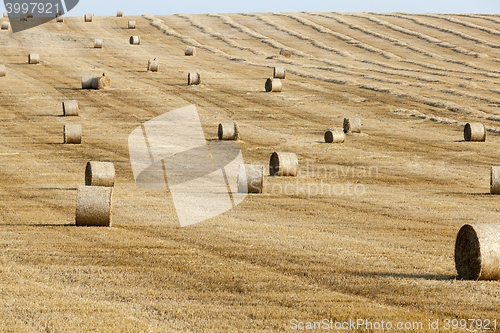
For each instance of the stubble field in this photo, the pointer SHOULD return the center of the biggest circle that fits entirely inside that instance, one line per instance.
(366, 231)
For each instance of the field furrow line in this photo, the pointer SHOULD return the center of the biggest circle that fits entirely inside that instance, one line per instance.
(209, 31)
(374, 34)
(437, 119)
(252, 33)
(465, 24)
(347, 39)
(159, 24)
(402, 44)
(264, 39)
(483, 17)
(300, 36)
(304, 72)
(446, 30)
(395, 71)
(419, 35)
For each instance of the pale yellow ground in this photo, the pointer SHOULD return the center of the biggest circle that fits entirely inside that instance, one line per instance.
(384, 255)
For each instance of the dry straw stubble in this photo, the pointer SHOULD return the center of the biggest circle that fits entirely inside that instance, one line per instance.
(100, 174)
(70, 108)
(72, 134)
(335, 136)
(94, 206)
(283, 164)
(474, 132)
(228, 131)
(477, 252)
(273, 85)
(250, 178)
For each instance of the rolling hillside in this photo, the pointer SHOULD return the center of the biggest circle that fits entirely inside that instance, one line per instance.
(366, 231)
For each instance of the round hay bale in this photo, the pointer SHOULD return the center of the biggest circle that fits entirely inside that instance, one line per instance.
(5, 14)
(285, 53)
(194, 78)
(474, 132)
(352, 125)
(100, 174)
(279, 73)
(88, 17)
(60, 19)
(33, 58)
(73, 134)
(283, 164)
(98, 43)
(153, 65)
(335, 136)
(190, 51)
(29, 14)
(135, 40)
(59, 13)
(273, 85)
(70, 108)
(101, 82)
(495, 180)
(87, 81)
(119, 13)
(2, 70)
(250, 178)
(228, 131)
(94, 207)
(131, 24)
(477, 252)
(23, 18)
(5, 25)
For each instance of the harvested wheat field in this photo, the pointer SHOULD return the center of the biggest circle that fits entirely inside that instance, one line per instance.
(364, 233)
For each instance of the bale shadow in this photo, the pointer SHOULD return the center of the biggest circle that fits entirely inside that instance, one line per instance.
(48, 115)
(57, 189)
(430, 277)
(467, 193)
(65, 225)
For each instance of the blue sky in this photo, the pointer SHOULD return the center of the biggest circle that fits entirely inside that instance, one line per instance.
(162, 7)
